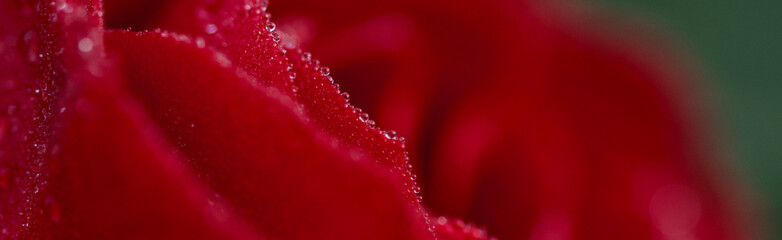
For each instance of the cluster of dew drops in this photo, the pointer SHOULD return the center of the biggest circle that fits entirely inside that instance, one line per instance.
(406, 168)
(28, 45)
(258, 8)
(40, 49)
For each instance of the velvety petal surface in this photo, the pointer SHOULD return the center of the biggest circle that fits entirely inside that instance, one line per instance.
(80, 160)
(244, 32)
(254, 148)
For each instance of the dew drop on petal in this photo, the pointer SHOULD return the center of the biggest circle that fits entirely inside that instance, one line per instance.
(442, 220)
(85, 45)
(363, 116)
(270, 26)
(325, 71)
(346, 96)
(264, 4)
(200, 42)
(390, 134)
(210, 29)
(276, 37)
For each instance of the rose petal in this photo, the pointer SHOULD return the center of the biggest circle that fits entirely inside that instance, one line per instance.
(590, 145)
(240, 29)
(76, 179)
(243, 31)
(116, 179)
(32, 75)
(330, 109)
(253, 149)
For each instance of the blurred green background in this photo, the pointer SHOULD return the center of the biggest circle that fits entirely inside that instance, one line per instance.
(739, 46)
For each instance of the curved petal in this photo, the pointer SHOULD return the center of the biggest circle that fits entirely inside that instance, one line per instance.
(115, 178)
(76, 165)
(253, 148)
(243, 31)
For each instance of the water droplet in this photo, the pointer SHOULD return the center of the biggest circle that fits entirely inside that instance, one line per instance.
(210, 28)
(41, 149)
(270, 26)
(325, 70)
(306, 56)
(346, 96)
(371, 123)
(363, 117)
(331, 79)
(276, 37)
(200, 42)
(293, 75)
(442, 220)
(264, 4)
(413, 177)
(390, 134)
(85, 45)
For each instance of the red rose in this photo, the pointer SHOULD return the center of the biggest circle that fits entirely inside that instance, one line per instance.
(204, 120)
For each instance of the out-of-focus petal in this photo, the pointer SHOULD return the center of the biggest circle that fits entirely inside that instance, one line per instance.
(537, 125)
(457, 229)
